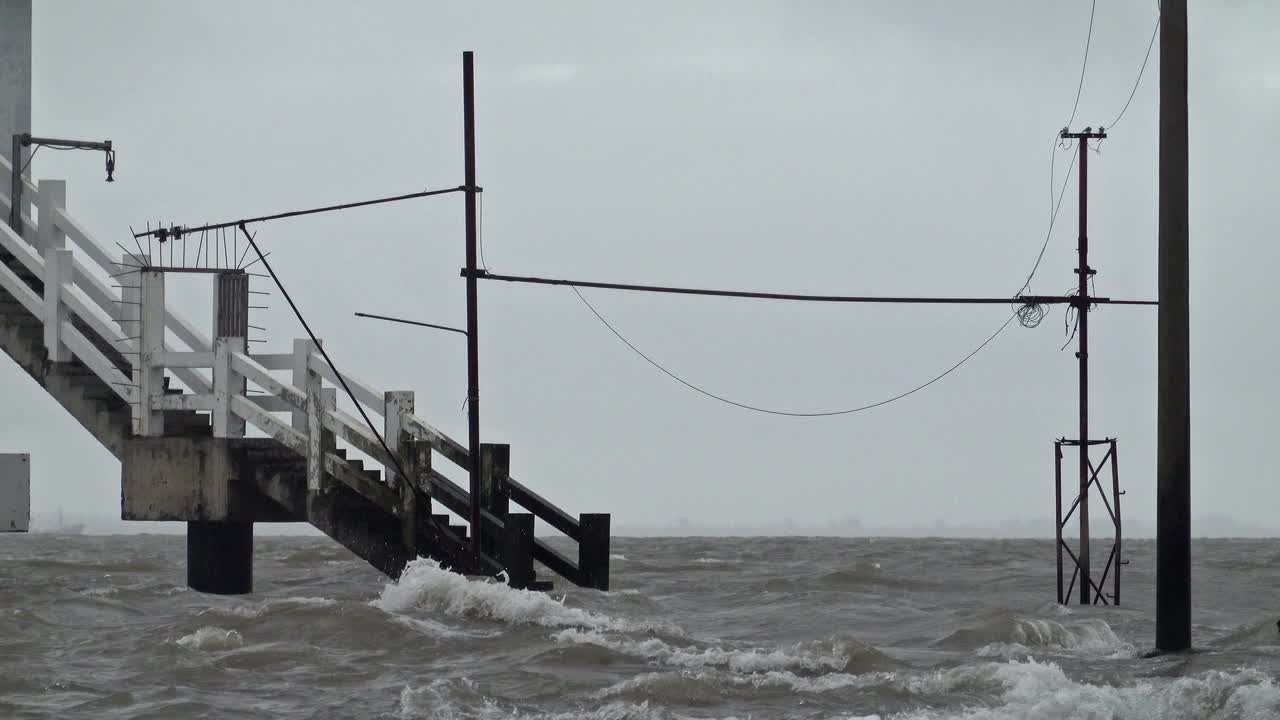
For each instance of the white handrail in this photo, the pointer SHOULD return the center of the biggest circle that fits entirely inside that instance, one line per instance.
(18, 247)
(93, 359)
(260, 376)
(7, 169)
(365, 395)
(14, 285)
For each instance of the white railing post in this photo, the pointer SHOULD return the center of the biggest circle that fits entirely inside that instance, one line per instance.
(226, 384)
(51, 243)
(57, 278)
(302, 349)
(397, 404)
(150, 344)
(51, 197)
(310, 421)
(318, 403)
(129, 277)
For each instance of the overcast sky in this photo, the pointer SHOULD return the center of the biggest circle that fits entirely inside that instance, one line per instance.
(832, 147)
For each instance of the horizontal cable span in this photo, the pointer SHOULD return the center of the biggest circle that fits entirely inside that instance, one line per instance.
(417, 323)
(1042, 299)
(165, 233)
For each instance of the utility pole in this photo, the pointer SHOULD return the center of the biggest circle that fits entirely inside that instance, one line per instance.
(473, 333)
(1081, 302)
(1173, 431)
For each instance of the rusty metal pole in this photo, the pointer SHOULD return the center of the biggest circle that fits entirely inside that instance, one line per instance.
(473, 334)
(1082, 316)
(1173, 431)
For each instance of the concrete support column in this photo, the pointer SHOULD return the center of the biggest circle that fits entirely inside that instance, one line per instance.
(220, 554)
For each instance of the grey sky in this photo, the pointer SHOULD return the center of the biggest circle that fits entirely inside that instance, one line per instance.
(858, 147)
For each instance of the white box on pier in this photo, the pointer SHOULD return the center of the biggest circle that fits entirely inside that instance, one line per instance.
(15, 492)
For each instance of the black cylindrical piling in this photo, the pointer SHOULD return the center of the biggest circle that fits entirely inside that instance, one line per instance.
(220, 557)
(1173, 385)
(220, 554)
(593, 549)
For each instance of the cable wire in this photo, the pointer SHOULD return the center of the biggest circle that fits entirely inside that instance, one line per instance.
(1088, 40)
(1138, 81)
(338, 375)
(784, 413)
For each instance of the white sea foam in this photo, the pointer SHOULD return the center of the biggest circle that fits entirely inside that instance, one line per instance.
(455, 699)
(211, 638)
(616, 556)
(811, 657)
(436, 629)
(99, 591)
(1041, 690)
(425, 584)
(714, 678)
(266, 607)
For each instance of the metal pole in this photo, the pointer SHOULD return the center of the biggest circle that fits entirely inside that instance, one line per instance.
(1173, 432)
(1057, 516)
(473, 334)
(15, 186)
(1082, 315)
(1115, 501)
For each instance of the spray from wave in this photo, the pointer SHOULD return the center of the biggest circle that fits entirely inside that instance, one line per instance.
(424, 584)
(211, 638)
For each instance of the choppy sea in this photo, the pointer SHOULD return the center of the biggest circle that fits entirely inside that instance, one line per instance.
(103, 627)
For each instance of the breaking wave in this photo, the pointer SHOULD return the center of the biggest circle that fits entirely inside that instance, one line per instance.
(424, 584)
(1004, 635)
(211, 638)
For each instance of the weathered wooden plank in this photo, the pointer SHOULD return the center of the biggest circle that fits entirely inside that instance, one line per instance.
(261, 377)
(169, 359)
(353, 431)
(183, 402)
(274, 361)
(20, 290)
(93, 359)
(452, 450)
(365, 395)
(377, 493)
